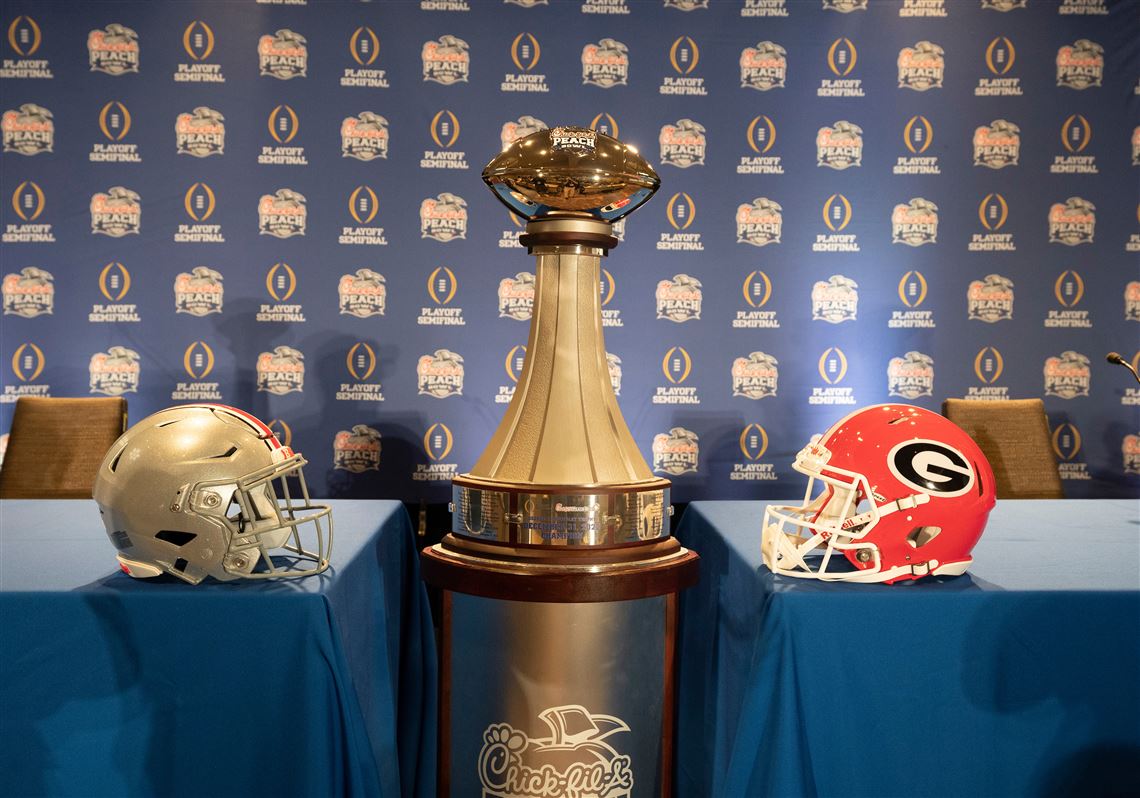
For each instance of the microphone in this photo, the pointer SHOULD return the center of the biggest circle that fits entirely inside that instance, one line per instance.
(1115, 358)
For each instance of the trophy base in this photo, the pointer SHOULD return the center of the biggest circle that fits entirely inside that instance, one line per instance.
(564, 516)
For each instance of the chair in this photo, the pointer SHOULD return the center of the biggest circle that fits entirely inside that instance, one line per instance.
(55, 446)
(1015, 438)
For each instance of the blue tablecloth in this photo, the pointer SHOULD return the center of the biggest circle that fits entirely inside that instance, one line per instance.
(1020, 678)
(111, 686)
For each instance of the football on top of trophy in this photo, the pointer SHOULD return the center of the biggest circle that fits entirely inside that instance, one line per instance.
(571, 170)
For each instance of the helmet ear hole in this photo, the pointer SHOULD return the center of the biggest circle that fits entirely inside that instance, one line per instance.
(921, 535)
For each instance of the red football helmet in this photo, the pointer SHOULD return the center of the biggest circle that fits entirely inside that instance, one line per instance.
(898, 491)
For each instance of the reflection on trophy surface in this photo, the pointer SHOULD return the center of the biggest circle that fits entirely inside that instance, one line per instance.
(563, 469)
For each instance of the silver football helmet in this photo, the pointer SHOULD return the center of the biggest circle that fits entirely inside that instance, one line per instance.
(204, 490)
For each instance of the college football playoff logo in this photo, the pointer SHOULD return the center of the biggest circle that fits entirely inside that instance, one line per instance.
(201, 133)
(362, 294)
(282, 214)
(676, 452)
(605, 64)
(364, 136)
(997, 145)
(357, 450)
(198, 292)
(910, 376)
(283, 55)
(116, 213)
(915, 223)
(29, 294)
(446, 60)
(113, 50)
(756, 376)
(28, 131)
(281, 371)
(115, 371)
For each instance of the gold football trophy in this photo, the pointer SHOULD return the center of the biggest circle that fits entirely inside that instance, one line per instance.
(560, 578)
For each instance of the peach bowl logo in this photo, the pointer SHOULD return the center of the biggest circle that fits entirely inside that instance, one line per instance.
(440, 374)
(844, 6)
(516, 296)
(686, 5)
(575, 761)
(28, 131)
(683, 144)
(1130, 451)
(990, 299)
(605, 64)
(1003, 5)
(613, 363)
(113, 50)
(281, 371)
(114, 372)
(1067, 376)
(679, 299)
(198, 292)
(755, 376)
(910, 376)
(915, 223)
(282, 214)
(1132, 301)
(676, 452)
(364, 136)
(1072, 223)
(283, 55)
(357, 450)
(446, 60)
(116, 213)
(763, 67)
(760, 223)
(839, 146)
(1080, 64)
(443, 218)
(28, 294)
(921, 67)
(997, 145)
(201, 133)
(362, 294)
(835, 301)
(513, 131)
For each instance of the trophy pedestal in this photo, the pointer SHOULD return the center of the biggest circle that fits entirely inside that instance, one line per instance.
(559, 579)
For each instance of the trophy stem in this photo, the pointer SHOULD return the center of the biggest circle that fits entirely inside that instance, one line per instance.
(562, 462)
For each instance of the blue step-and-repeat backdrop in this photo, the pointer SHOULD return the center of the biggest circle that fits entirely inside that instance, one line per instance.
(277, 205)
